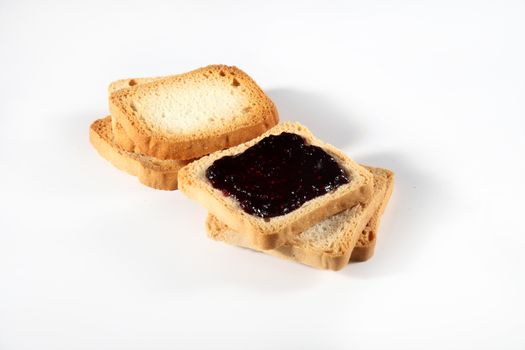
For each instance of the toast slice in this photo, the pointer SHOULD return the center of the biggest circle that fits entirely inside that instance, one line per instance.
(328, 244)
(193, 114)
(152, 172)
(270, 233)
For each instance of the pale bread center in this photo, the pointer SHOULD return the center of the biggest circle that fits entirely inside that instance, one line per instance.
(192, 107)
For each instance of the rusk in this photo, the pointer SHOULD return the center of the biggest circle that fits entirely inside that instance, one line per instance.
(270, 233)
(330, 243)
(190, 115)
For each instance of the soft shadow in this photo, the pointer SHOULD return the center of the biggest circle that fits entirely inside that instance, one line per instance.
(74, 128)
(226, 265)
(71, 132)
(319, 113)
(71, 146)
(251, 271)
(166, 248)
(417, 199)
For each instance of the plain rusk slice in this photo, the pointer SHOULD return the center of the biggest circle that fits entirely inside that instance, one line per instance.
(152, 172)
(328, 244)
(189, 115)
(269, 233)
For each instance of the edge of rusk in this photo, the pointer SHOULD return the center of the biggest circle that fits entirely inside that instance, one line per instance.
(158, 174)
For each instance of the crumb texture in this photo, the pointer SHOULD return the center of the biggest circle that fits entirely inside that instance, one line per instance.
(185, 107)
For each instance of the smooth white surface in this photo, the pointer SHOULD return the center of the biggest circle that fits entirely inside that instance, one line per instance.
(91, 259)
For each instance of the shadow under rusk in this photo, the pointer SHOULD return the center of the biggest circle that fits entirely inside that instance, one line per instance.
(401, 235)
(318, 113)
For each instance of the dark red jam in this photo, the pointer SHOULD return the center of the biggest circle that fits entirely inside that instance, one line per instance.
(277, 175)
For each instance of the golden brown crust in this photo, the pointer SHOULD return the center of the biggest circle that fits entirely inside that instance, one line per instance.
(365, 246)
(157, 174)
(120, 138)
(295, 250)
(272, 233)
(364, 251)
(145, 140)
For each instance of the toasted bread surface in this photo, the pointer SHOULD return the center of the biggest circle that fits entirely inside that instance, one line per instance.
(190, 115)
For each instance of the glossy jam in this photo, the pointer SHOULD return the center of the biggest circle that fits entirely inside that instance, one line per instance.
(277, 175)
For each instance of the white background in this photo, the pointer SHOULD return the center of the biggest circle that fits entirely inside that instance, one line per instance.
(435, 90)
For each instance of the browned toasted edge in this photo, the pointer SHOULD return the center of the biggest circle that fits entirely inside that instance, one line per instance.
(148, 174)
(365, 247)
(120, 138)
(363, 252)
(146, 141)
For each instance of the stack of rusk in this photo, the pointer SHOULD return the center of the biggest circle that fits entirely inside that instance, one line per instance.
(169, 131)
(158, 125)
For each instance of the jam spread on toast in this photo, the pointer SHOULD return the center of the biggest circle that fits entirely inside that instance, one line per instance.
(277, 175)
